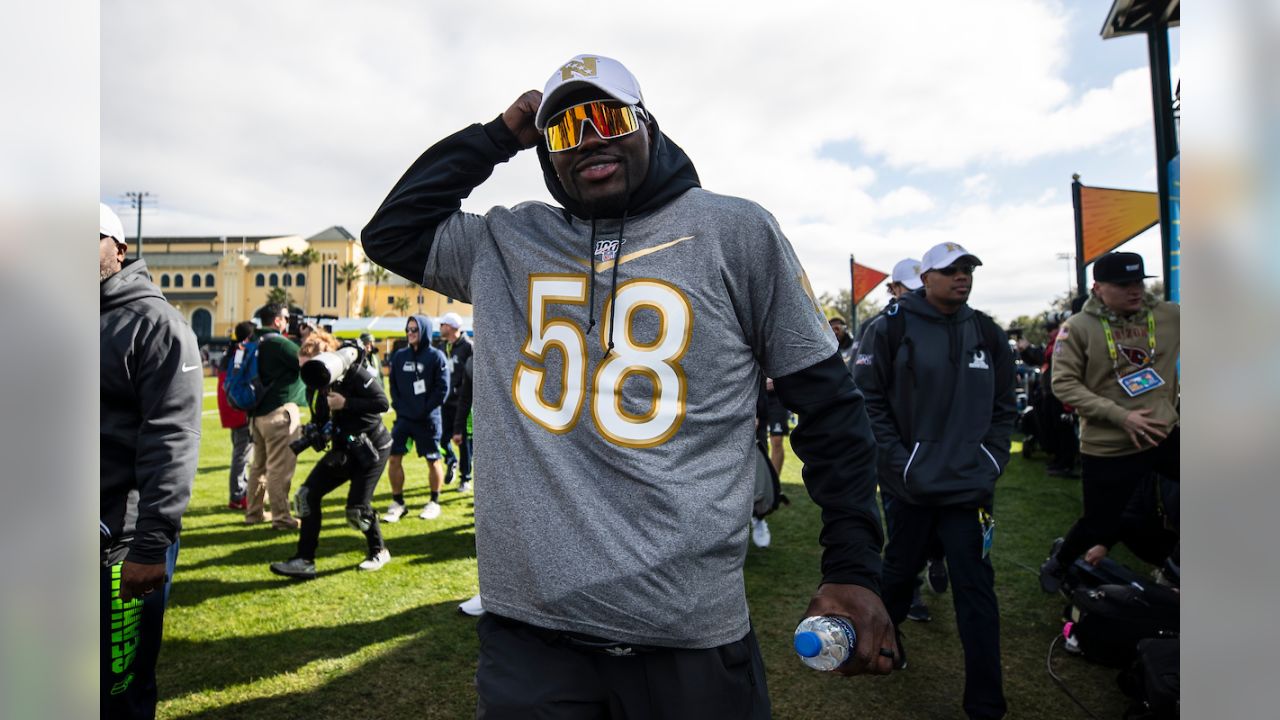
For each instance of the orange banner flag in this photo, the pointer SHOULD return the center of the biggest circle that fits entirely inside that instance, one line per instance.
(865, 280)
(1110, 218)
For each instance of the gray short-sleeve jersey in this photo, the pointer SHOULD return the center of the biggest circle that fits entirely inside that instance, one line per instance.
(618, 488)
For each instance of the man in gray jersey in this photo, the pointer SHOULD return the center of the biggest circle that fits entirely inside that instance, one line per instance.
(627, 331)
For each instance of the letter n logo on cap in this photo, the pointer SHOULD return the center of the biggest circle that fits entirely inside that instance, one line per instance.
(952, 247)
(586, 68)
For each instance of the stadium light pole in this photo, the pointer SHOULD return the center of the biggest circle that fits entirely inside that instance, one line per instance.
(1068, 257)
(136, 200)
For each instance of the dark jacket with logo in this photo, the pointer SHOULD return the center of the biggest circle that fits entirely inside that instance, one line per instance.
(427, 364)
(941, 404)
(152, 388)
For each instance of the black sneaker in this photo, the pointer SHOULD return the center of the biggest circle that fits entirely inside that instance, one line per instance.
(1051, 571)
(297, 568)
(937, 575)
(918, 612)
(448, 473)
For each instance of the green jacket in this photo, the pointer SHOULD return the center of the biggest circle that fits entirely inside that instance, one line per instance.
(1085, 377)
(278, 368)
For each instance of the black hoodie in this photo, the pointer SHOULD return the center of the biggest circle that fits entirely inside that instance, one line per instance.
(941, 404)
(152, 391)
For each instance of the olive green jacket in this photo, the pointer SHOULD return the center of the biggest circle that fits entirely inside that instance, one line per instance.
(1085, 377)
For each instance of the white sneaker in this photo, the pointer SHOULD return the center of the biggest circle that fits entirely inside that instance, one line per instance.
(472, 607)
(395, 512)
(464, 487)
(375, 562)
(760, 532)
(431, 511)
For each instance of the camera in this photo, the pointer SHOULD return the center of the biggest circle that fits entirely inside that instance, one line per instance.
(313, 436)
(328, 368)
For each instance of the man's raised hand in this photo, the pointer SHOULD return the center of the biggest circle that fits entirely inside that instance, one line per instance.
(519, 118)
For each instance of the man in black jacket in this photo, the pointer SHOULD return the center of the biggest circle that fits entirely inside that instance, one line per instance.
(349, 401)
(151, 391)
(938, 378)
(457, 350)
(617, 429)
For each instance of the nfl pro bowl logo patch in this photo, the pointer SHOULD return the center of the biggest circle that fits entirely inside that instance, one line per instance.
(607, 250)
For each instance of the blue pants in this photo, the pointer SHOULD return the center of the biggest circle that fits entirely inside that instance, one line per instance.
(130, 634)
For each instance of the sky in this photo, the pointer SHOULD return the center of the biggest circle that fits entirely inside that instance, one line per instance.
(867, 128)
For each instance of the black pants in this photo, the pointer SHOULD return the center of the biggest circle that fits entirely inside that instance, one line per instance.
(335, 468)
(972, 587)
(1109, 484)
(130, 644)
(525, 673)
(462, 457)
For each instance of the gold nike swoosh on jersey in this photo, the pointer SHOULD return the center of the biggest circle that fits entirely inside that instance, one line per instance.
(607, 264)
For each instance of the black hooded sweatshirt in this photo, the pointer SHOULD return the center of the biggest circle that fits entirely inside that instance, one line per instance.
(833, 438)
(152, 390)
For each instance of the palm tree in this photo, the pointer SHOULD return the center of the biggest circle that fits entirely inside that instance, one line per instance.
(402, 305)
(304, 260)
(348, 273)
(288, 258)
(279, 295)
(377, 274)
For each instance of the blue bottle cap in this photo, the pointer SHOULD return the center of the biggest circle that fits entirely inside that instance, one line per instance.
(808, 644)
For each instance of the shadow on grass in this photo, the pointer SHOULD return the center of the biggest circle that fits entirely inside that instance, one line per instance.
(442, 635)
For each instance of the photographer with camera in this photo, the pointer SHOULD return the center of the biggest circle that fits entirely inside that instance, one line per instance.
(347, 403)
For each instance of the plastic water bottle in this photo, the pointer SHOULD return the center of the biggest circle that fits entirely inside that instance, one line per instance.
(823, 642)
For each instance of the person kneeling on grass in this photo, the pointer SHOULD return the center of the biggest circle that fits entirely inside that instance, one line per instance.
(347, 403)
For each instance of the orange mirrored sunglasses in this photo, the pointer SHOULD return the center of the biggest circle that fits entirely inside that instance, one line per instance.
(610, 119)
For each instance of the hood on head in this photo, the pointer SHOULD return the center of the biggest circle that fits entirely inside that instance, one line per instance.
(671, 173)
(426, 328)
(133, 282)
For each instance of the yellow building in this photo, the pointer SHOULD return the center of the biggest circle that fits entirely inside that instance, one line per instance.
(216, 282)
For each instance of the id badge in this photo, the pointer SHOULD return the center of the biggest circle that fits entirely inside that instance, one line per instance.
(419, 387)
(1144, 380)
(988, 524)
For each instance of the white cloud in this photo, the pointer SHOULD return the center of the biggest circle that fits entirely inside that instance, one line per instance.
(290, 116)
(905, 200)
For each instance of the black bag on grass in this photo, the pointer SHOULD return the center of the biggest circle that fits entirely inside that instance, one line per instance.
(1107, 622)
(1108, 572)
(768, 487)
(1153, 681)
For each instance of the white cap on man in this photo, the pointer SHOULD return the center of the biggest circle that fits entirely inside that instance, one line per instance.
(945, 255)
(907, 272)
(109, 224)
(451, 319)
(591, 70)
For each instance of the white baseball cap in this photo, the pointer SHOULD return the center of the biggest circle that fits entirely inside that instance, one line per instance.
(109, 224)
(451, 318)
(588, 70)
(944, 255)
(907, 272)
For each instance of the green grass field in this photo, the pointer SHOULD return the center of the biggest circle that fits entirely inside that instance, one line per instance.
(243, 643)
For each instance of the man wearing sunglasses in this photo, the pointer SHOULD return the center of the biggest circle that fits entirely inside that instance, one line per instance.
(627, 330)
(938, 378)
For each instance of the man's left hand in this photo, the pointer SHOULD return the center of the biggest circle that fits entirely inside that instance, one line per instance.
(336, 401)
(870, 621)
(140, 579)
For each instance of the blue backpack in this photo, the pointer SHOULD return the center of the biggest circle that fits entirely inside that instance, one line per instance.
(243, 385)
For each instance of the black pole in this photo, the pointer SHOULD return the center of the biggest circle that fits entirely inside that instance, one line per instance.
(1166, 137)
(853, 301)
(1080, 261)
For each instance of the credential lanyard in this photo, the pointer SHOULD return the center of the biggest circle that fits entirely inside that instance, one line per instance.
(1151, 340)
